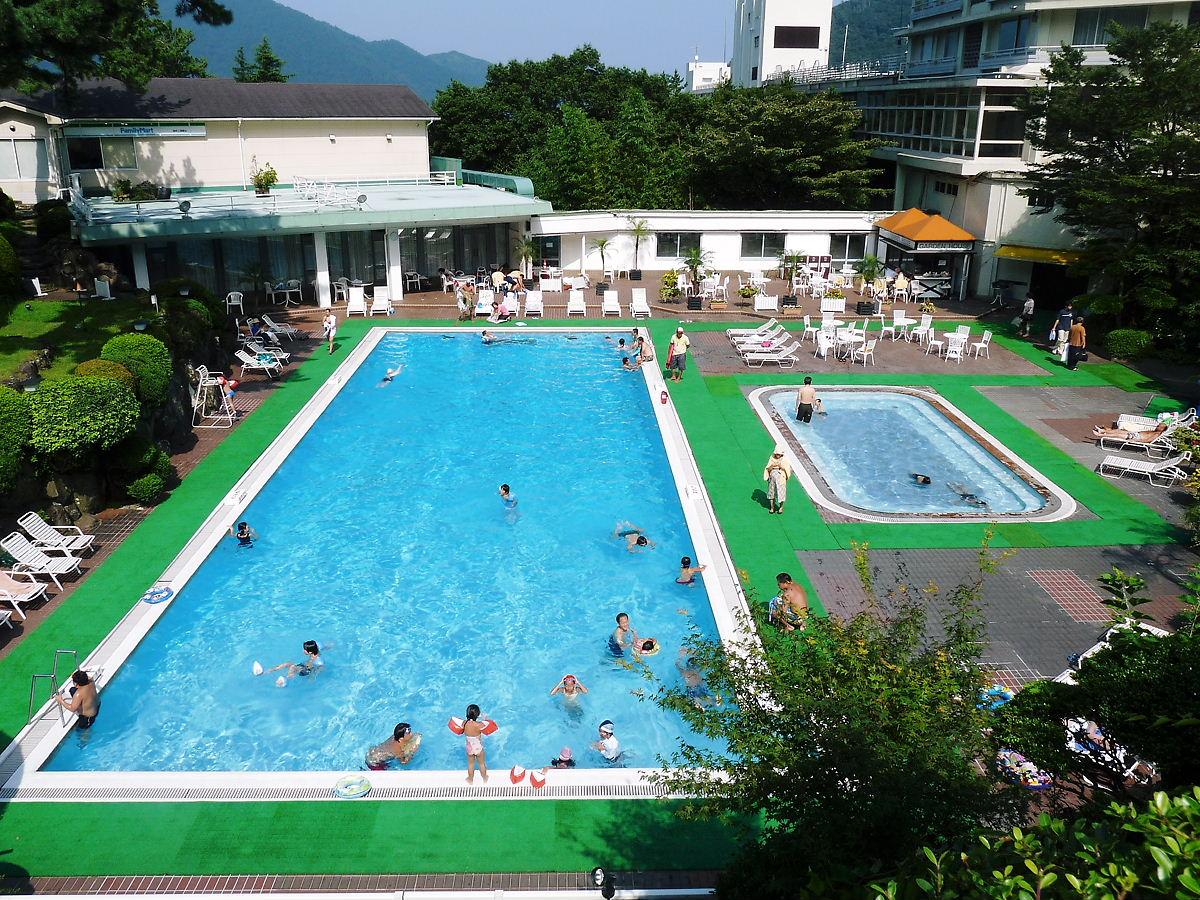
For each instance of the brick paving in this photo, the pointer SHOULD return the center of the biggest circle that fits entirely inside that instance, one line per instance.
(1073, 594)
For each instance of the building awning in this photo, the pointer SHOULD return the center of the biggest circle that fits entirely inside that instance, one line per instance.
(917, 232)
(1039, 254)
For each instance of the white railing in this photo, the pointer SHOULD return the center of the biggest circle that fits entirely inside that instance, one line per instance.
(361, 181)
(1025, 55)
(921, 67)
(922, 9)
(888, 65)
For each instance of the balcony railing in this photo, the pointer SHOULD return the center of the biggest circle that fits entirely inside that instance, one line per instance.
(925, 67)
(1040, 55)
(888, 65)
(924, 9)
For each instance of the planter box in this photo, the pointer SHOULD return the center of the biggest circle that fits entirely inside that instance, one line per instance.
(635, 274)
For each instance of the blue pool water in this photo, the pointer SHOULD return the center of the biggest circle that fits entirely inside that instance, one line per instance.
(871, 442)
(383, 538)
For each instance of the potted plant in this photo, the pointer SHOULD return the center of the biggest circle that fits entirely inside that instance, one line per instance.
(526, 253)
(669, 291)
(694, 260)
(601, 244)
(263, 178)
(748, 292)
(640, 229)
(869, 268)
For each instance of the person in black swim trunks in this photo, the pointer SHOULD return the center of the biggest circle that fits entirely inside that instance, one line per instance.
(85, 701)
(311, 665)
(246, 536)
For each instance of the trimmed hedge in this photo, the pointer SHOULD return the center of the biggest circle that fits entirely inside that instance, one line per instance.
(1127, 343)
(14, 434)
(10, 270)
(53, 220)
(148, 359)
(77, 415)
(106, 368)
(147, 489)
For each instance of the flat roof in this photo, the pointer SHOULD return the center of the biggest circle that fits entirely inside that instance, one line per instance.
(237, 212)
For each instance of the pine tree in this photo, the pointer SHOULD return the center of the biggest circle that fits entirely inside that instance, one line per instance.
(242, 70)
(268, 64)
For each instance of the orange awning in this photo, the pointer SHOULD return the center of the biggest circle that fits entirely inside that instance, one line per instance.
(916, 231)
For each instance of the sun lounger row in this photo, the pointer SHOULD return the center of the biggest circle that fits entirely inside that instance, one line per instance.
(1161, 473)
(49, 550)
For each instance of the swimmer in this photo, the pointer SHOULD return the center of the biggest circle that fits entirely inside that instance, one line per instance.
(967, 496)
(390, 374)
(921, 479)
(621, 345)
(245, 535)
(400, 748)
(564, 760)
(688, 572)
(473, 732)
(85, 702)
(624, 635)
(570, 687)
(507, 497)
(312, 664)
(629, 366)
(635, 538)
(608, 746)
(693, 681)
(488, 337)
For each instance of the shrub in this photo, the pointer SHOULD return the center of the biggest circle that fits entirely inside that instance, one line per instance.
(143, 190)
(14, 434)
(10, 270)
(164, 468)
(8, 208)
(133, 456)
(80, 414)
(185, 326)
(146, 489)
(106, 368)
(1127, 343)
(171, 287)
(148, 359)
(53, 220)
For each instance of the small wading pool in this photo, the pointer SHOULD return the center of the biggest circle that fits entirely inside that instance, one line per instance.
(859, 459)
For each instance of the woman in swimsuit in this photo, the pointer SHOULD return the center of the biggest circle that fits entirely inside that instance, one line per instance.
(473, 732)
(688, 572)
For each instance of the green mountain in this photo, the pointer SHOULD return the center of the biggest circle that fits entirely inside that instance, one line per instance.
(315, 51)
(871, 23)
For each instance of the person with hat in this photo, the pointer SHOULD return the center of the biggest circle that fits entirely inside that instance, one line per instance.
(608, 746)
(564, 760)
(776, 474)
(677, 355)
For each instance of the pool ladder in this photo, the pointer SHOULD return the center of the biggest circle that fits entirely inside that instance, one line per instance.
(52, 675)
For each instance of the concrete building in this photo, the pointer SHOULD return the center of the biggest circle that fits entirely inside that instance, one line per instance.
(956, 138)
(704, 77)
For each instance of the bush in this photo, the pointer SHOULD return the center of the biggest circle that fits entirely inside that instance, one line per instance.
(1127, 343)
(10, 270)
(8, 208)
(164, 468)
(171, 287)
(14, 434)
(77, 415)
(133, 456)
(106, 368)
(185, 326)
(53, 220)
(146, 489)
(148, 359)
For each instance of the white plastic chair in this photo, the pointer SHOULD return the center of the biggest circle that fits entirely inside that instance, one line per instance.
(824, 342)
(293, 287)
(982, 346)
(483, 301)
(863, 353)
(956, 345)
(412, 281)
(723, 290)
(923, 330)
(886, 327)
(809, 328)
(232, 299)
(933, 341)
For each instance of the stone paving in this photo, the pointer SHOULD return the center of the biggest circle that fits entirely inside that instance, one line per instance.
(1031, 633)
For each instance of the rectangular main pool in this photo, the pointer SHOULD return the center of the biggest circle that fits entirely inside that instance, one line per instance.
(383, 538)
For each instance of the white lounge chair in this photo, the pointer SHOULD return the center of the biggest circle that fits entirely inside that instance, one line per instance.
(738, 332)
(575, 304)
(483, 302)
(763, 303)
(60, 538)
(1155, 449)
(356, 301)
(253, 364)
(639, 306)
(35, 285)
(534, 308)
(1149, 423)
(552, 284)
(288, 331)
(381, 302)
(35, 561)
(258, 349)
(1161, 473)
(776, 335)
(19, 586)
(784, 357)
(610, 305)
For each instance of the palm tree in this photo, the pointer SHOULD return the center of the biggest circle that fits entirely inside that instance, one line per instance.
(640, 229)
(601, 244)
(694, 260)
(527, 251)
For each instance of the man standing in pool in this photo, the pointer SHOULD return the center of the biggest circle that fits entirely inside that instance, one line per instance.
(246, 536)
(400, 747)
(807, 400)
(624, 635)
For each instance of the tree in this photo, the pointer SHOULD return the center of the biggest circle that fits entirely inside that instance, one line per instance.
(242, 70)
(267, 65)
(640, 230)
(44, 43)
(853, 742)
(1123, 159)
(152, 48)
(775, 147)
(570, 165)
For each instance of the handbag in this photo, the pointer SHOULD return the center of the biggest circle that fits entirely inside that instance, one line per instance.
(1053, 333)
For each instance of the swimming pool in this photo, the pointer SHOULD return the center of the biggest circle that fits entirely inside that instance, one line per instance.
(383, 538)
(860, 458)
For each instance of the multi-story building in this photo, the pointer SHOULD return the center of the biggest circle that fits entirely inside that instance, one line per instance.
(955, 137)
(704, 77)
(769, 37)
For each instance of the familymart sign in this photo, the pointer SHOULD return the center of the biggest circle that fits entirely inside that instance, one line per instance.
(136, 131)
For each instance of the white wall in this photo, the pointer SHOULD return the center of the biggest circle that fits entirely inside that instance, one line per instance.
(293, 147)
(15, 125)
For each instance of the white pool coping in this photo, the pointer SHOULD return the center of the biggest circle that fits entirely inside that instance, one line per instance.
(21, 780)
(823, 495)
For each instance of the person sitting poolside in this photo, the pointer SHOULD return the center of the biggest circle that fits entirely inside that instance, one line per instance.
(645, 349)
(629, 365)
(400, 747)
(500, 312)
(693, 681)
(635, 538)
(1140, 437)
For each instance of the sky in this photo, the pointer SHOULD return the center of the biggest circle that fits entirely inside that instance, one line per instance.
(659, 35)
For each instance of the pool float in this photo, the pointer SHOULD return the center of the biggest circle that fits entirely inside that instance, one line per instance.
(653, 650)
(157, 595)
(352, 787)
(456, 725)
(537, 780)
(517, 774)
(257, 668)
(994, 697)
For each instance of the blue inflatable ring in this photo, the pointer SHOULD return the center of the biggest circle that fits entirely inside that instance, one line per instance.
(352, 787)
(158, 595)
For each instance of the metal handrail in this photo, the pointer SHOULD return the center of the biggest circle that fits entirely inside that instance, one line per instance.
(54, 682)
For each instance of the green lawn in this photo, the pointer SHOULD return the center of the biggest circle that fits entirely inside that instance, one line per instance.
(30, 325)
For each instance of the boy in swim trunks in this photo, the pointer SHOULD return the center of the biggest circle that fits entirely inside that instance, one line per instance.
(85, 702)
(688, 572)
(400, 748)
(635, 538)
(473, 732)
(789, 609)
(311, 665)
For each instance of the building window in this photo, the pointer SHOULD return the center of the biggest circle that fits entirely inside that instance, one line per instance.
(1093, 26)
(1040, 199)
(949, 188)
(24, 161)
(762, 244)
(797, 37)
(675, 244)
(756, 40)
(1012, 34)
(754, 73)
(101, 153)
(847, 249)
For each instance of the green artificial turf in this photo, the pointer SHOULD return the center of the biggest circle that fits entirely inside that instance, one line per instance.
(29, 325)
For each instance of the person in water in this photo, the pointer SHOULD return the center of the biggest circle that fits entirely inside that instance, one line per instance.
(570, 687)
(635, 537)
(390, 374)
(399, 748)
(921, 479)
(246, 536)
(624, 637)
(507, 497)
(688, 572)
(693, 681)
(564, 760)
(476, 755)
(311, 666)
(967, 496)
(608, 746)
(84, 702)
(629, 365)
